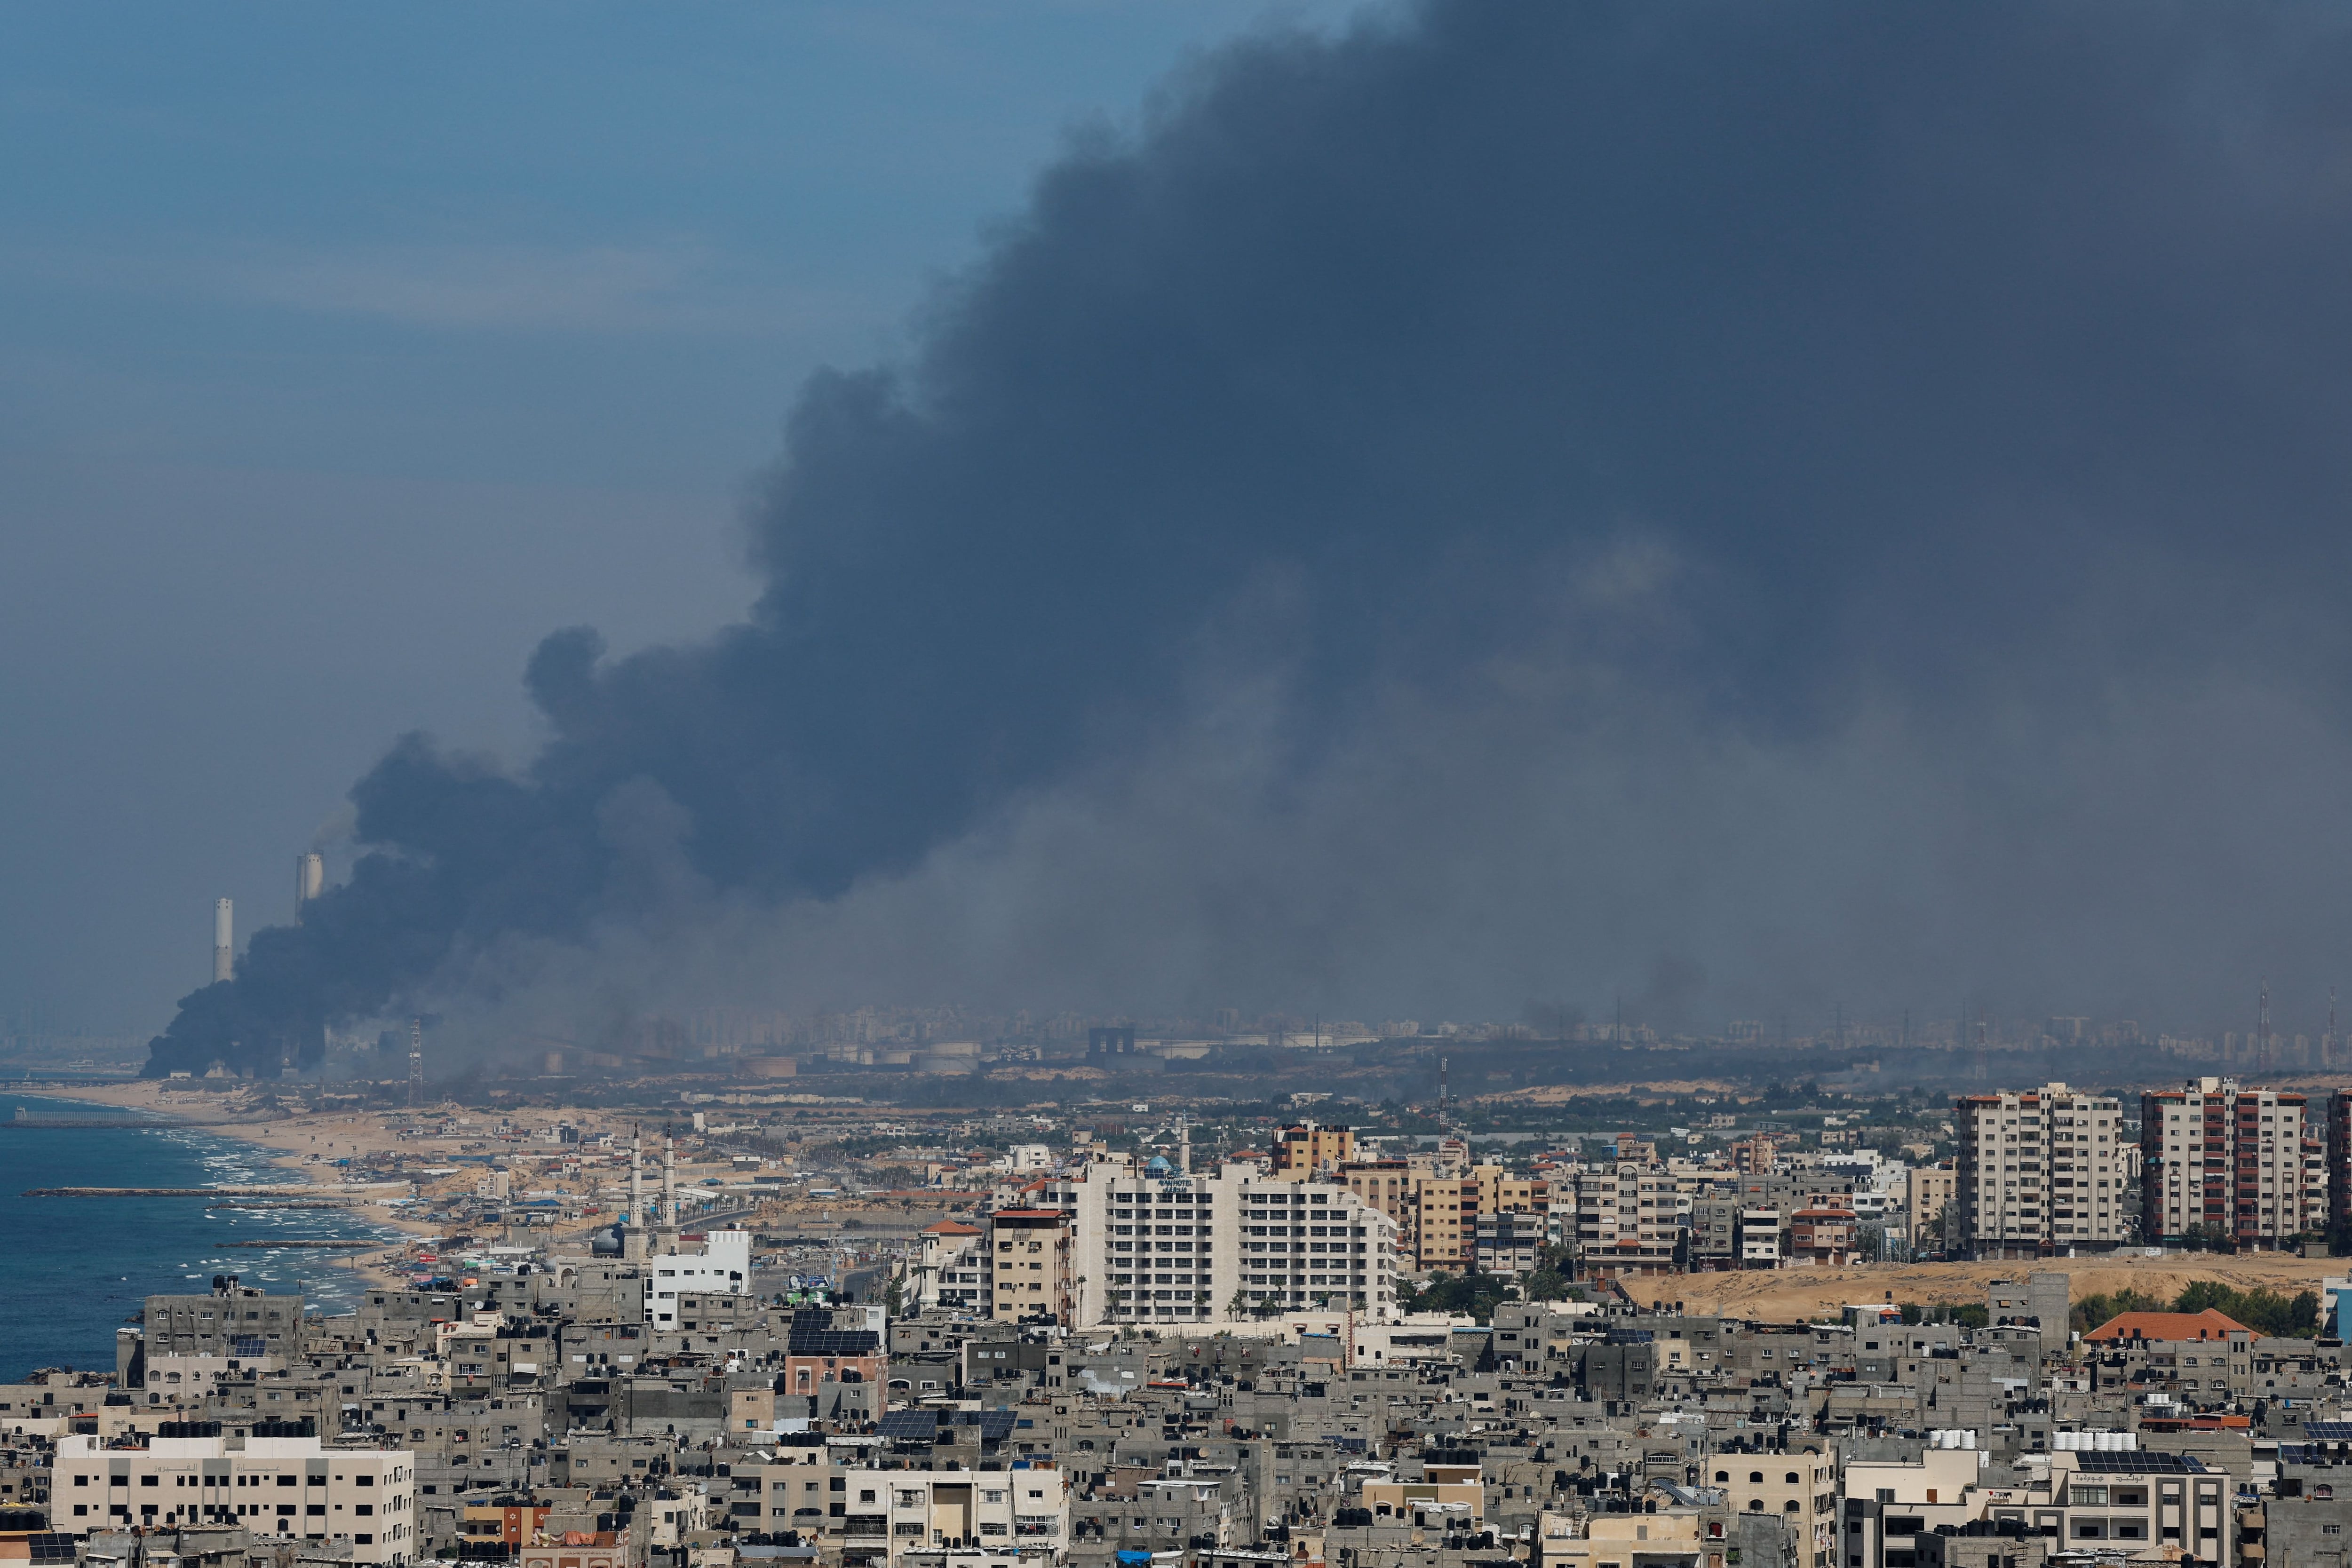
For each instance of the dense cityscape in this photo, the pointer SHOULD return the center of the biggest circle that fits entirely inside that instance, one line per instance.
(704, 1316)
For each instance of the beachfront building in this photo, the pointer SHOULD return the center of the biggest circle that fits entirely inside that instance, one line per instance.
(233, 1322)
(286, 1489)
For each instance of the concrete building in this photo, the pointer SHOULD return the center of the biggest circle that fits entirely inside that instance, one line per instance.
(1511, 1243)
(287, 1489)
(719, 1263)
(1889, 1504)
(2134, 1501)
(1206, 1248)
(1627, 1215)
(1445, 1222)
(2243, 1162)
(1925, 1190)
(2039, 1172)
(1029, 1277)
(233, 1322)
(1798, 1484)
(1823, 1236)
(1311, 1148)
(947, 1267)
(997, 1516)
(2038, 1301)
(1385, 1185)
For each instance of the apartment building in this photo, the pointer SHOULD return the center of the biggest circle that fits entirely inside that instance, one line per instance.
(1385, 1185)
(2132, 1501)
(2339, 1142)
(2038, 1172)
(1890, 1504)
(1028, 1276)
(1822, 1236)
(1502, 1192)
(288, 1488)
(1926, 1191)
(1205, 1247)
(233, 1322)
(720, 1264)
(1799, 1485)
(1310, 1147)
(1445, 1222)
(985, 1517)
(1628, 1215)
(1511, 1243)
(946, 1269)
(2243, 1161)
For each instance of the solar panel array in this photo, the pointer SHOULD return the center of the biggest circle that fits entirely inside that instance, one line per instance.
(992, 1424)
(911, 1426)
(923, 1425)
(2328, 1431)
(2108, 1462)
(832, 1341)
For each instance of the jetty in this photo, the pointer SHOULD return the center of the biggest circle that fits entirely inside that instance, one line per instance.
(269, 1192)
(22, 1123)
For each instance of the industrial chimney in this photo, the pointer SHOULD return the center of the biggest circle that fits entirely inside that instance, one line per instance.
(310, 880)
(224, 938)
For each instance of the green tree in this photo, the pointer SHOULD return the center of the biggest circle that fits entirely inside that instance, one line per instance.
(1546, 1285)
(2094, 1310)
(1475, 1295)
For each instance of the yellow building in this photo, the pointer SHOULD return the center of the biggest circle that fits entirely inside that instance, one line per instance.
(1625, 1540)
(1028, 1272)
(1500, 1192)
(1927, 1190)
(1446, 1222)
(1384, 1185)
(1800, 1486)
(1302, 1150)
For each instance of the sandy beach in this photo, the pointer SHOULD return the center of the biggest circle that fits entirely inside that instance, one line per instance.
(308, 1145)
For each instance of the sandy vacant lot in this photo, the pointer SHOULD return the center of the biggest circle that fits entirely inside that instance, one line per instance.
(1791, 1295)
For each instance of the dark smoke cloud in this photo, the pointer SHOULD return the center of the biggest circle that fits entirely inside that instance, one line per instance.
(1727, 505)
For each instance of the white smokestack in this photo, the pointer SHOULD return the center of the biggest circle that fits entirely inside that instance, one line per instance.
(310, 880)
(224, 938)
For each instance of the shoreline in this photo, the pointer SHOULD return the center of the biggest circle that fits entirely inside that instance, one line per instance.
(290, 1144)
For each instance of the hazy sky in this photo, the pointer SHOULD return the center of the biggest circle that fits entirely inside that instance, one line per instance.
(345, 352)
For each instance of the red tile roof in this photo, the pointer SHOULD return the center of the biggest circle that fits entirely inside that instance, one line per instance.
(2207, 1324)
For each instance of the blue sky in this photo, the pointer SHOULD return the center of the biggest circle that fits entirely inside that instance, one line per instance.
(344, 351)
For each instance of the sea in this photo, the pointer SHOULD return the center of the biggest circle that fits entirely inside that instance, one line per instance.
(81, 1267)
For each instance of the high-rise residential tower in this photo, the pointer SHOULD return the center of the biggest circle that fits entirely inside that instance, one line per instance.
(2240, 1161)
(2039, 1172)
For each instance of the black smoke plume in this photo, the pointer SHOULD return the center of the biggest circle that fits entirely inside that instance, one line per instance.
(1905, 443)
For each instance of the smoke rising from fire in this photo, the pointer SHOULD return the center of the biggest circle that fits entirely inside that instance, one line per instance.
(1513, 502)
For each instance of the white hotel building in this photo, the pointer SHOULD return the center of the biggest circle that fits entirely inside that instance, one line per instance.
(287, 1488)
(1185, 1248)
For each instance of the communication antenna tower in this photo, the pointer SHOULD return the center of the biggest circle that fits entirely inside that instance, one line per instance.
(415, 1060)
